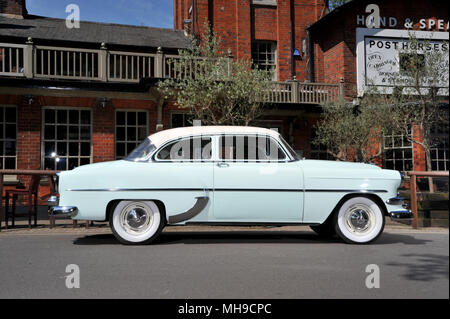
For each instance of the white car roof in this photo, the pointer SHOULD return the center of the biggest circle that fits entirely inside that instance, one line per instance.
(166, 135)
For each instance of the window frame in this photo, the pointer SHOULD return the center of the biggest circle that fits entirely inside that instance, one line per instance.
(274, 46)
(215, 150)
(436, 159)
(287, 159)
(393, 149)
(68, 108)
(4, 139)
(318, 149)
(154, 156)
(126, 126)
(184, 113)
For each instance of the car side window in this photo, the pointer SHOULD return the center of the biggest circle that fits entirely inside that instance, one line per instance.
(189, 149)
(250, 148)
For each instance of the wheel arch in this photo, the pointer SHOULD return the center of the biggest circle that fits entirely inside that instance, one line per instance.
(377, 199)
(113, 203)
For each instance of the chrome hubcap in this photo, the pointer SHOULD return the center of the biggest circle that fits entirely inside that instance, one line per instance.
(359, 219)
(136, 218)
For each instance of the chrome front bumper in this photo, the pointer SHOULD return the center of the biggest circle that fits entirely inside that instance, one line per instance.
(397, 201)
(55, 210)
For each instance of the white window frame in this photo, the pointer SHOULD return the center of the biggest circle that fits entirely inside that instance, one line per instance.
(274, 46)
(287, 156)
(9, 178)
(126, 141)
(394, 148)
(212, 159)
(67, 108)
(441, 161)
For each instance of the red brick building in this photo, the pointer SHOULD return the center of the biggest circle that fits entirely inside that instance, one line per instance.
(73, 96)
(336, 39)
(304, 41)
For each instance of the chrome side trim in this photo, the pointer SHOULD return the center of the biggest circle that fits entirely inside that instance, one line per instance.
(229, 190)
(191, 213)
(70, 211)
(401, 215)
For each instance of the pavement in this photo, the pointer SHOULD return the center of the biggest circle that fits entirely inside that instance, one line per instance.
(223, 262)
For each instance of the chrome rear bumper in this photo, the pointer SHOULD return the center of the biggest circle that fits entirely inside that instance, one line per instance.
(70, 211)
(55, 210)
(401, 215)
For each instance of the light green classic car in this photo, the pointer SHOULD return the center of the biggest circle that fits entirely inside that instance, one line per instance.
(229, 176)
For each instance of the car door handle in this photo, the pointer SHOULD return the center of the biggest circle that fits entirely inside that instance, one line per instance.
(223, 165)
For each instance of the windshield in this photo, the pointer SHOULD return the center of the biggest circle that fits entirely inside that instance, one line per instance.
(142, 152)
(289, 148)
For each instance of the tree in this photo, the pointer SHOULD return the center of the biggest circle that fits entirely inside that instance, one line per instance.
(413, 99)
(352, 132)
(215, 88)
(418, 96)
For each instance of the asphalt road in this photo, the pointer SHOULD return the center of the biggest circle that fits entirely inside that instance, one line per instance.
(244, 264)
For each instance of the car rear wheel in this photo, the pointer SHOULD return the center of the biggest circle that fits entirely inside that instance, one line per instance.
(136, 222)
(359, 221)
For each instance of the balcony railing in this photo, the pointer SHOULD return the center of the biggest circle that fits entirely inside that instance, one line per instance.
(63, 63)
(12, 59)
(45, 62)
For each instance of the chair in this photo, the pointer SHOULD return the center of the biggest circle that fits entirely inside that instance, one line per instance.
(32, 193)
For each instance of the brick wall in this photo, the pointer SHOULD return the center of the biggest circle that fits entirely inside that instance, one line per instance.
(29, 127)
(335, 40)
(238, 23)
(13, 7)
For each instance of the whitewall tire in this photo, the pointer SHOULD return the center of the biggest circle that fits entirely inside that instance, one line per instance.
(136, 222)
(359, 221)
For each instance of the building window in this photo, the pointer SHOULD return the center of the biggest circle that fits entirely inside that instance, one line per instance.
(8, 137)
(398, 152)
(439, 154)
(264, 56)
(131, 130)
(318, 152)
(181, 119)
(67, 138)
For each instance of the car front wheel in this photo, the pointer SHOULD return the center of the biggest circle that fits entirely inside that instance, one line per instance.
(136, 222)
(359, 221)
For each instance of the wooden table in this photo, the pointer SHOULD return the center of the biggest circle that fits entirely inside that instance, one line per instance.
(3, 172)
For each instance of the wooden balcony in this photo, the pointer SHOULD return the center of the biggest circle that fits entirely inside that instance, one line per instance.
(45, 62)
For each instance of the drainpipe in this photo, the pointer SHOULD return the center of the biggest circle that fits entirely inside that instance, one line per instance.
(310, 62)
(293, 71)
(194, 17)
(159, 114)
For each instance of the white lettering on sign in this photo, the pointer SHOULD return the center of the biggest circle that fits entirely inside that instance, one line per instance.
(375, 20)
